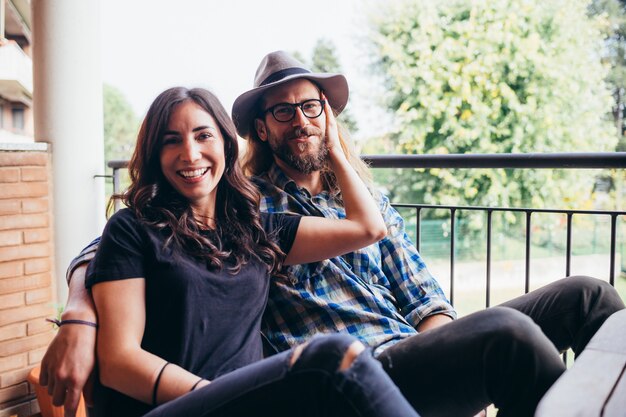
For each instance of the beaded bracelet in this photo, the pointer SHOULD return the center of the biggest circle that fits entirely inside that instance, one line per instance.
(60, 323)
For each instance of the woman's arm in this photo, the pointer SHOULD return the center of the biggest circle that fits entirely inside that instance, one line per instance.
(123, 364)
(321, 238)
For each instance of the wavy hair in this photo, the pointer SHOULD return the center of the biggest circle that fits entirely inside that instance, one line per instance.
(238, 235)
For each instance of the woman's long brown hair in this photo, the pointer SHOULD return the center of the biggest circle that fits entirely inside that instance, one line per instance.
(239, 235)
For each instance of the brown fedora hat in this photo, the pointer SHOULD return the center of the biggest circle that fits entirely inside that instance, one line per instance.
(275, 69)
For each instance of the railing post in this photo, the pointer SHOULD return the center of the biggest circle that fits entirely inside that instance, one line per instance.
(452, 248)
(418, 227)
(568, 253)
(528, 231)
(488, 283)
(116, 187)
(613, 246)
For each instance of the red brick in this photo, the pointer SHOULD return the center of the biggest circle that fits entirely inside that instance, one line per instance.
(9, 206)
(12, 393)
(34, 174)
(36, 235)
(35, 250)
(23, 221)
(13, 377)
(11, 300)
(24, 189)
(9, 285)
(39, 296)
(34, 266)
(10, 174)
(37, 326)
(35, 356)
(10, 238)
(11, 269)
(13, 362)
(8, 159)
(12, 331)
(17, 315)
(34, 205)
(25, 344)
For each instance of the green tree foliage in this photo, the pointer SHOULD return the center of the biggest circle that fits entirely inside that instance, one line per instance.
(324, 59)
(120, 125)
(614, 16)
(500, 76)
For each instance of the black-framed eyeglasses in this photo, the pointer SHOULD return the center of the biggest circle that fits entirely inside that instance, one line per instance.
(285, 112)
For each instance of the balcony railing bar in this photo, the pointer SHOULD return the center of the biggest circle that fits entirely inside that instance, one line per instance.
(569, 160)
(488, 278)
(527, 264)
(568, 250)
(527, 241)
(565, 160)
(452, 252)
(613, 247)
(511, 209)
(588, 160)
(418, 227)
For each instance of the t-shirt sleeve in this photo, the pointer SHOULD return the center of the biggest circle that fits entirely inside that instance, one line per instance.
(120, 254)
(282, 228)
(85, 256)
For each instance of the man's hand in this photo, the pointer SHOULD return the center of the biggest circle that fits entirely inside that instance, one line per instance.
(332, 130)
(68, 365)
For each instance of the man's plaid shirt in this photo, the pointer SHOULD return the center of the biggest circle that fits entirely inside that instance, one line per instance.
(378, 294)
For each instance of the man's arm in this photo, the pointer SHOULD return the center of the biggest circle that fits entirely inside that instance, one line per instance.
(70, 358)
(418, 295)
(433, 321)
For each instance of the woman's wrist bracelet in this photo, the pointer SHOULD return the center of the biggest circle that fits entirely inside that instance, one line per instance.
(60, 323)
(155, 389)
(196, 384)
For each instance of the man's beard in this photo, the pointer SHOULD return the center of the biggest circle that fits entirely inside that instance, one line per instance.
(305, 163)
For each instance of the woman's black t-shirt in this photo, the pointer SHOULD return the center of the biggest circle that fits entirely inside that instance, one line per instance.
(206, 321)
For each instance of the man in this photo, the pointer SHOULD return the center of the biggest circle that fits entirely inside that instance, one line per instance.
(382, 294)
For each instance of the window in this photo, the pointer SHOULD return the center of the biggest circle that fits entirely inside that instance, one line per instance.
(18, 118)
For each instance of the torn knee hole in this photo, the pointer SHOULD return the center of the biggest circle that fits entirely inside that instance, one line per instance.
(351, 354)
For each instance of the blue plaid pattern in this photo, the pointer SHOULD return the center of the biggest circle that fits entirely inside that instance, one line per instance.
(378, 294)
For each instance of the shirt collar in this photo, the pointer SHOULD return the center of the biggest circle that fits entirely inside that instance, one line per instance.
(277, 177)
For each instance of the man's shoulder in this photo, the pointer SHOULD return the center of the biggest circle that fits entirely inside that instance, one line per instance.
(266, 186)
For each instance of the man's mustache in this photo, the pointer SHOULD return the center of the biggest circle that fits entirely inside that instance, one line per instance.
(304, 131)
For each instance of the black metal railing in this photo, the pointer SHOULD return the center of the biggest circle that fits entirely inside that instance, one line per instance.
(599, 160)
(615, 160)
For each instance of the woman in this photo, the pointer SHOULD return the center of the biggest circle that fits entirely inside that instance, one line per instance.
(180, 282)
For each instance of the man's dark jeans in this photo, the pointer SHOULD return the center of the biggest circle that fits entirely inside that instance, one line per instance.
(506, 355)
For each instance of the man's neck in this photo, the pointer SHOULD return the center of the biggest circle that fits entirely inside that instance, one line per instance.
(312, 182)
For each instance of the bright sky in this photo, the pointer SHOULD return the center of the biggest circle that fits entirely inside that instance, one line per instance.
(150, 45)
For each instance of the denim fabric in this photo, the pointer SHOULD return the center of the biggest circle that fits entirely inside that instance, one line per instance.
(313, 387)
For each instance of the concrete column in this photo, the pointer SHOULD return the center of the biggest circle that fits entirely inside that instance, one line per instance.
(67, 101)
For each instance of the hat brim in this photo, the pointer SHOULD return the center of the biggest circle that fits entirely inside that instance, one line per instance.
(335, 87)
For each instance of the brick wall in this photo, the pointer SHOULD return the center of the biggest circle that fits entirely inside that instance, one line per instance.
(26, 264)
